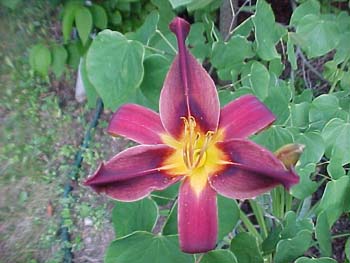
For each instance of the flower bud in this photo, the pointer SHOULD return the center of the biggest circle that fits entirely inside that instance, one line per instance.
(289, 154)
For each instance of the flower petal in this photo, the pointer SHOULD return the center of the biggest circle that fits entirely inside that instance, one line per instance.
(188, 90)
(137, 123)
(133, 173)
(197, 218)
(253, 171)
(244, 117)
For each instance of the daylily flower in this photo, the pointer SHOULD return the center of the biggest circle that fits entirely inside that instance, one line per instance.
(194, 142)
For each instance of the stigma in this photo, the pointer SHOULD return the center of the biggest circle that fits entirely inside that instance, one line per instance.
(195, 144)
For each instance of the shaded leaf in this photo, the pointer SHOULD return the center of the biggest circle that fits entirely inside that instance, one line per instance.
(156, 68)
(245, 248)
(83, 21)
(59, 58)
(99, 16)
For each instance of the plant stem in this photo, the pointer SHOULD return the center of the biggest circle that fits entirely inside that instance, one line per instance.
(167, 41)
(250, 227)
(259, 215)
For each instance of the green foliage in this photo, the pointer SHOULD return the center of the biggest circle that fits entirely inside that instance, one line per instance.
(122, 73)
(135, 216)
(222, 256)
(128, 63)
(142, 247)
(245, 248)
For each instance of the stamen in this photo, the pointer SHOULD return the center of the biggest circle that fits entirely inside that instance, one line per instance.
(204, 148)
(192, 155)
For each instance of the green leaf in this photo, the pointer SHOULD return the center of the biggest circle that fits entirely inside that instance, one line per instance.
(74, 53)
(305, 96)
(276, 67)
(156, 68)
(306, 8)
(335, 168)
(32, 54)
(90, 90)
(306, 187)
(228, 215)
(274, 137)
(336, 134)
(244, 29)
(177, 3)
(323, 109)
(99, 16)
(300, 115)
(68, 18)
(83, 21)
(342, 48)
(245, 248)
(219, 256)
(134, 216)
(166, 14)
(232, 53)
(315, 260)
(288, 249)
(40, 59)
(347, 249)
(165, 196)
(170, 227)
(143, 247)
(333, 198)
(266, 33)
(279, 91)
(314, 147)
(115, 68)
(226, 96)
(293, 225)
(318, 35)
(148, 29)
(196, 39)
(59, 58)
(268, 246)
(201, 4)
(323, 235)
(259, 80)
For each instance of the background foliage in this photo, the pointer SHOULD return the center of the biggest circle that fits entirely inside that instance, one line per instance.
(299, 69)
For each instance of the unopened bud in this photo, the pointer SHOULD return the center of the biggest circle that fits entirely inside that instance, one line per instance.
(289, 154)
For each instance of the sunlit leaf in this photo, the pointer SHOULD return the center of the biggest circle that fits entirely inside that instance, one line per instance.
(134, 216)
(115, 67)
(143, 247)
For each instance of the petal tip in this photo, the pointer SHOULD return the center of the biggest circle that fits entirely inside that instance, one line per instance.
(180, 27)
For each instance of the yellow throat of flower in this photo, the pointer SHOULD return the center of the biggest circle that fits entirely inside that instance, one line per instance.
(196, 154)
